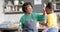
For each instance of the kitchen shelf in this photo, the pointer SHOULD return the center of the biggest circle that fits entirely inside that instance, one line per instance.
(10, 8)
(15, 5)
(57, 9)
(13, 12)
(56, 4)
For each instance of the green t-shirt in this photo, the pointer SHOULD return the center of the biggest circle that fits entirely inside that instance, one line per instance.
(37, 17)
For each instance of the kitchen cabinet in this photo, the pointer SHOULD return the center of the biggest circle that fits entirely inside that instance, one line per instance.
(13, 6)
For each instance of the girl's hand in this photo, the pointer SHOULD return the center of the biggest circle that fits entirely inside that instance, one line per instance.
(44, 13)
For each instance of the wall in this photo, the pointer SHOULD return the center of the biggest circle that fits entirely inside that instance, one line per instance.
(13, 17)
(16, 17)
(1, 11)
(36, 8)
(9, 17)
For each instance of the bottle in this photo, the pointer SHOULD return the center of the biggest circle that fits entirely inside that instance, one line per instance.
(20, 9)
(9, 3)
(22, 2)
(8, 9)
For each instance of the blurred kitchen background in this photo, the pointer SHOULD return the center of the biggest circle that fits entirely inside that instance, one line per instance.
(11, 12)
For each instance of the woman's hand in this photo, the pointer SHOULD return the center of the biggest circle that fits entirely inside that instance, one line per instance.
(44, 24)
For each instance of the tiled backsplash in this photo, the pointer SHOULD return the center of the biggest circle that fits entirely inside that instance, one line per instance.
(13, 17)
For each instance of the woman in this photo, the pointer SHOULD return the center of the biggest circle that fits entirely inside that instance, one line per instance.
(29, 19)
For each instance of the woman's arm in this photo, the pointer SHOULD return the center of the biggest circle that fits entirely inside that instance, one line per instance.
(20, 23)
(42, 19)
(44, 24)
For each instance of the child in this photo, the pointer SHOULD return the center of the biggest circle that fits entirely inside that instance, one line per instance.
(51, 19)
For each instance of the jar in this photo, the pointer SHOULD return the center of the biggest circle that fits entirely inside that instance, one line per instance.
(16, 2)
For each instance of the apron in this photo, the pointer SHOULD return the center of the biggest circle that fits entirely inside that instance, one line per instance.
(30, 26)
